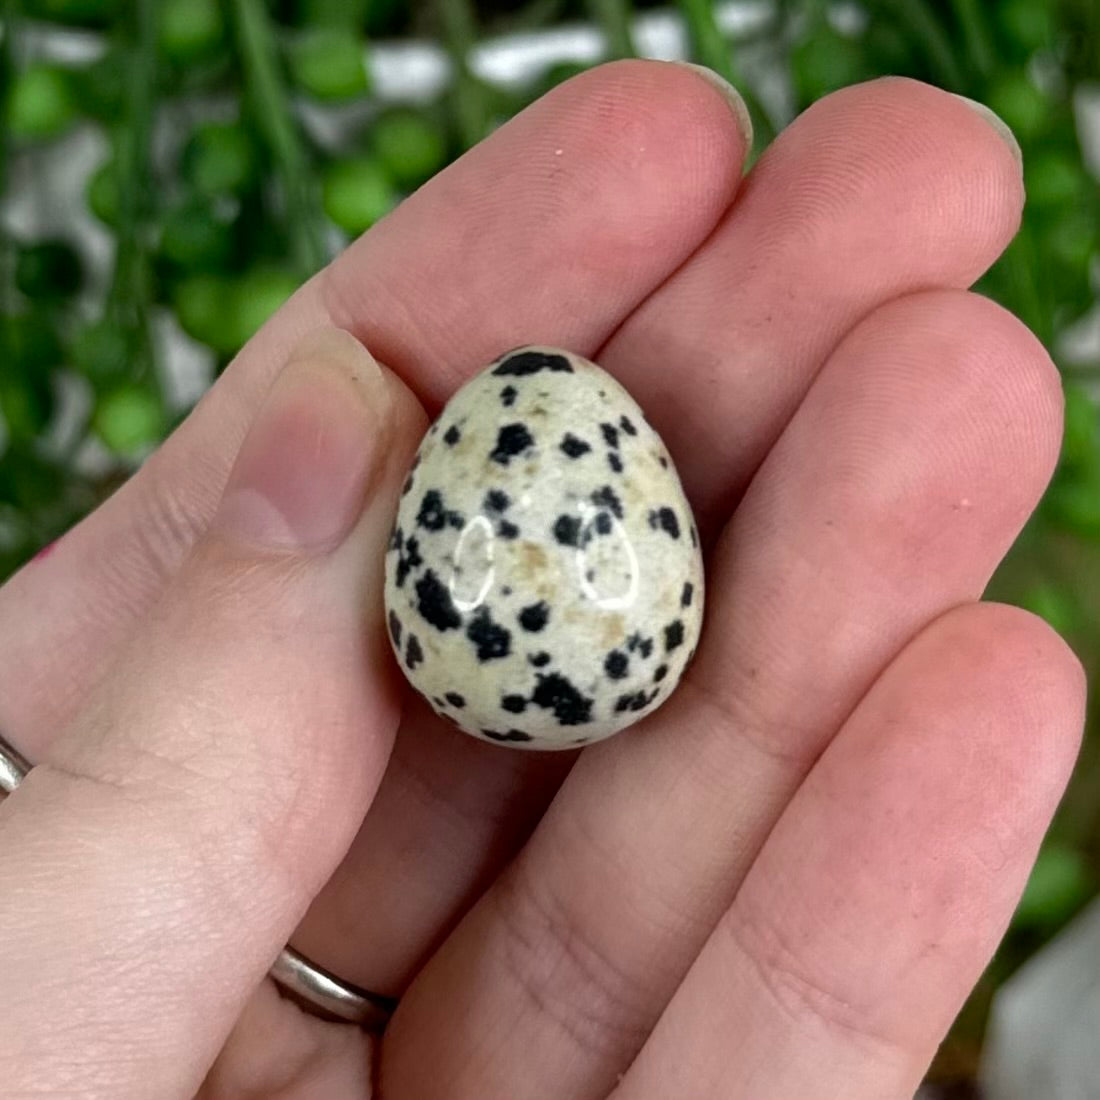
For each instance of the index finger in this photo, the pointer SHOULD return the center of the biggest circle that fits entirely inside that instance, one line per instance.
(551, 231)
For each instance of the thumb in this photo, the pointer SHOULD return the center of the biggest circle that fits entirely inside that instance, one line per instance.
(153, 867)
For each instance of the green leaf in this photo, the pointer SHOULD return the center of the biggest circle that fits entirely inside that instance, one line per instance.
(220, 158)
(41, 104)
(195, 237)
(254, 297)
(202, 303)
(129, 420)
(1059, 885)
(101, 193)
(49, 270)
(1081, 435)
(29, 343)
(101, 352)
(191, 30)
(27, 403)
(1054, 603)
(1054, 178)
(329, 63)
(826, 61)
(1023, 106)
(410, 146)
(357, 193)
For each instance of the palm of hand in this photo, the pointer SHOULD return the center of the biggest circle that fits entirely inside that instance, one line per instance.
(785, 882)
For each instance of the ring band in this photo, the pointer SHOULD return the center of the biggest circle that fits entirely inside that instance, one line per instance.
(309, 983)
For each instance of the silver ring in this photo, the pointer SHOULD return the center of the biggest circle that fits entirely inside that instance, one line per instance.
(305, 981)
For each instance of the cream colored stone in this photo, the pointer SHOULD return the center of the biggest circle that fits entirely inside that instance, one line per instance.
(544, 585)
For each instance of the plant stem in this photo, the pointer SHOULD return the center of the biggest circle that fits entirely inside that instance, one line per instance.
(7, 75)
(271, 110)
(614, 18)
(129, 297)
(920, 20)
(473, 109)
(975, 33)
(710, 47)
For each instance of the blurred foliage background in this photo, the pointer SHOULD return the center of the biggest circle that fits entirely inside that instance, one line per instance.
(170, 171)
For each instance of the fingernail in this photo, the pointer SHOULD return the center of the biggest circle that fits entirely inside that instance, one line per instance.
(1004, 131)
(305, 465)
(731, 95)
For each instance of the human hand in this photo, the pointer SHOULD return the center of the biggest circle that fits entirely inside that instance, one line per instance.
(781, 885)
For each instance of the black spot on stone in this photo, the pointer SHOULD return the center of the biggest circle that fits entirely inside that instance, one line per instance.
(397, 538)
(665, 519)
(614, 461)
(694, 536)
(455, 699)
(407, 487)
(414, 655)
(452, 435)
(688, 592)
(606, 497)
(627, 425)
(523, 363)
(409, 560)
(660, 673)
(512, 440)
(574, 447)
(433, 516)
(556, 693)
(506, 590)
(515, 704)
(395, 629)
(610, 434)
(603, 523)
(508, 735)
(435, 604)
(637, 700)
(540, 659)
(508, 396)
(535, 616)
(674, 635)
(663, 461)
(507, 530)
(492, 640)
(496, 500)
(636, 643)
(567, 530)
(617, 664)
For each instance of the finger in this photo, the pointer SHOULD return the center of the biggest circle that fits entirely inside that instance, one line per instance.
(894, 491)
(887, 884)
(876, 191)
(449, 813)
(152, 867)
(734, 338)
(550, 231)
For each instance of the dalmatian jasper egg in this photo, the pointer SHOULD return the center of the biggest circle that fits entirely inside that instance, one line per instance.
(544, 585)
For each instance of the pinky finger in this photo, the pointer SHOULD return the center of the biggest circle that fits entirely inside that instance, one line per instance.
(885, 887)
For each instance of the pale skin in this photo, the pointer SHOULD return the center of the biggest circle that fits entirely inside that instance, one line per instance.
(783, 884)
